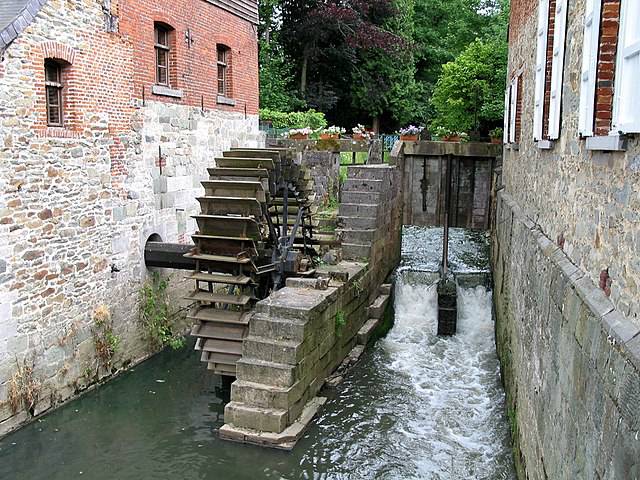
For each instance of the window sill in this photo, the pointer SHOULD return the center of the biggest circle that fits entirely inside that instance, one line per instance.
(222, 100)
(512, 146)
(608, 143)
(166, 91)
(544, 144)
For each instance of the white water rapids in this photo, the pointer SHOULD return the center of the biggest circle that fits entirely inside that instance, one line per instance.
(457, 428)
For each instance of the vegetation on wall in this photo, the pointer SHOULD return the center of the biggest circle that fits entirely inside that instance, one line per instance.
(158, 326)
(24, 387)
(106, 342)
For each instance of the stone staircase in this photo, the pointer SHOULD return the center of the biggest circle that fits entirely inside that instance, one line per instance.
(359, 210)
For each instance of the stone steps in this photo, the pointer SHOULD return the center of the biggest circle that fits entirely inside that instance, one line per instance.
(358, 210)
(368, 172)
(358, 223)
(364, 198)
(362, 185)
(357, 236)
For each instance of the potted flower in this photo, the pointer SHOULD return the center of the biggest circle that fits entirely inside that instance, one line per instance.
(446, 135)
(331, 133)
(300, 133)
(410, 133)
(360, 133)
(496, 136)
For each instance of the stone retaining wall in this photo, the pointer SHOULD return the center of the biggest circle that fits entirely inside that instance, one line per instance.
(570, 360)
(301, 333)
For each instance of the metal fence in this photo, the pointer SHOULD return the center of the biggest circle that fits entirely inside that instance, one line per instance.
(388, 141)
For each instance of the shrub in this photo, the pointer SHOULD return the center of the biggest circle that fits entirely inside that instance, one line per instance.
(309, 119)
(154, 315)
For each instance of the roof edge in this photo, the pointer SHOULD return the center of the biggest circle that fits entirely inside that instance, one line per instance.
(20, 23)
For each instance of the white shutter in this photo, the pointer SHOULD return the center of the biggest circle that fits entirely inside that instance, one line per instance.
(541, 67)
(626, 109)
(589, 66)
(557, 69)
(507, 99)
(513, 107)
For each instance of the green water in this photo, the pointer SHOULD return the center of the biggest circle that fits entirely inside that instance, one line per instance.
(416, 406)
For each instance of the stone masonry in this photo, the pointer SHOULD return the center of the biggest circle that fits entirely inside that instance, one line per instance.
(79, 202)
(301, 333)
(570, 360)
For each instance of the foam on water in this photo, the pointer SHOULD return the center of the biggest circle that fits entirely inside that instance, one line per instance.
(457, 427)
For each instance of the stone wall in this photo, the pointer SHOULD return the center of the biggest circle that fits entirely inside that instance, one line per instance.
(325, 171)
(570, 360)
(587, 201)
(301, 333)
(79, 202)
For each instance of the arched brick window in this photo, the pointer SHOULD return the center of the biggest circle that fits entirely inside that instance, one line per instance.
(224, 71)
(53, 87)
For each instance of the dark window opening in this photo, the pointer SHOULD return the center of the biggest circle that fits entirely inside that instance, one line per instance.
(223, 71)
(162, 55)
(53, 87)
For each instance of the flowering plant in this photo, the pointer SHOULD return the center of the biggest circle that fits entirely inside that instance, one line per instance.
(333, 130)
(411, 130)
(361, 131)
(300, 131)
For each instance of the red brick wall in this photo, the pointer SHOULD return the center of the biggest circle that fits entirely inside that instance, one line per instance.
(195, 65)
(605, 76)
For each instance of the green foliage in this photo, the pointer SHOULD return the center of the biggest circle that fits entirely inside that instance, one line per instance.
(276, 76)
(341, 321)
(105, 341)
(310, 118)
(469, 94)
(154, 315)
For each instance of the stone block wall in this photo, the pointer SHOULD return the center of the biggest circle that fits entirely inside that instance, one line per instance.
(570, 360)
(79, 202)
(585, 200)
(300, 334)
(325, 171)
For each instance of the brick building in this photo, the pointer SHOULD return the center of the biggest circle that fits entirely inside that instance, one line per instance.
(110, 112)
(567, 238)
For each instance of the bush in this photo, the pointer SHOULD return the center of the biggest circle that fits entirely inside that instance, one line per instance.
(310, 118)
(469, 94)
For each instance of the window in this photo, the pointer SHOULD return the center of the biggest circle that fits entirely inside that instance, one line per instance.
(223, 71)
(53, 87)
(626, 108)
(541, 67)
(162, 55)
(590, 49)
(557, 69)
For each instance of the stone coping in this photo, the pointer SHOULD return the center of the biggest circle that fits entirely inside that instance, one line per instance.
(621, 330)
(468, 149)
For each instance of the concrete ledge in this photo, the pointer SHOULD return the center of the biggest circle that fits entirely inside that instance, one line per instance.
(166, 91)
(285, 440)
(609, 143)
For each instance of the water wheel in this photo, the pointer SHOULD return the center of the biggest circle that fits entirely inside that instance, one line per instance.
(255, 229)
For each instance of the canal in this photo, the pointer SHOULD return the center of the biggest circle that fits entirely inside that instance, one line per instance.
(416, 407)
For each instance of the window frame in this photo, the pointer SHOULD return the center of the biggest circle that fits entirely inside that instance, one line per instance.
(589, 72)
(222, 66)
(166, 49)
(55, 87)
(557, 68)
(541, 69)
(625, 88)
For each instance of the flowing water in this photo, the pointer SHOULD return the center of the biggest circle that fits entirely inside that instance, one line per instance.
(415, 407)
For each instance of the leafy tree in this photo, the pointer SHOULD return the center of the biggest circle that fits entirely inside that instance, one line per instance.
(469, 95)
(275, 79)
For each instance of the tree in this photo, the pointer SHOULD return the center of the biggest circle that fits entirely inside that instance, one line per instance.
(469, 94)
(275, 79)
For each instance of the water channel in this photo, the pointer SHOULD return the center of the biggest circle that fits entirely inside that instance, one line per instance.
(416, 407)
